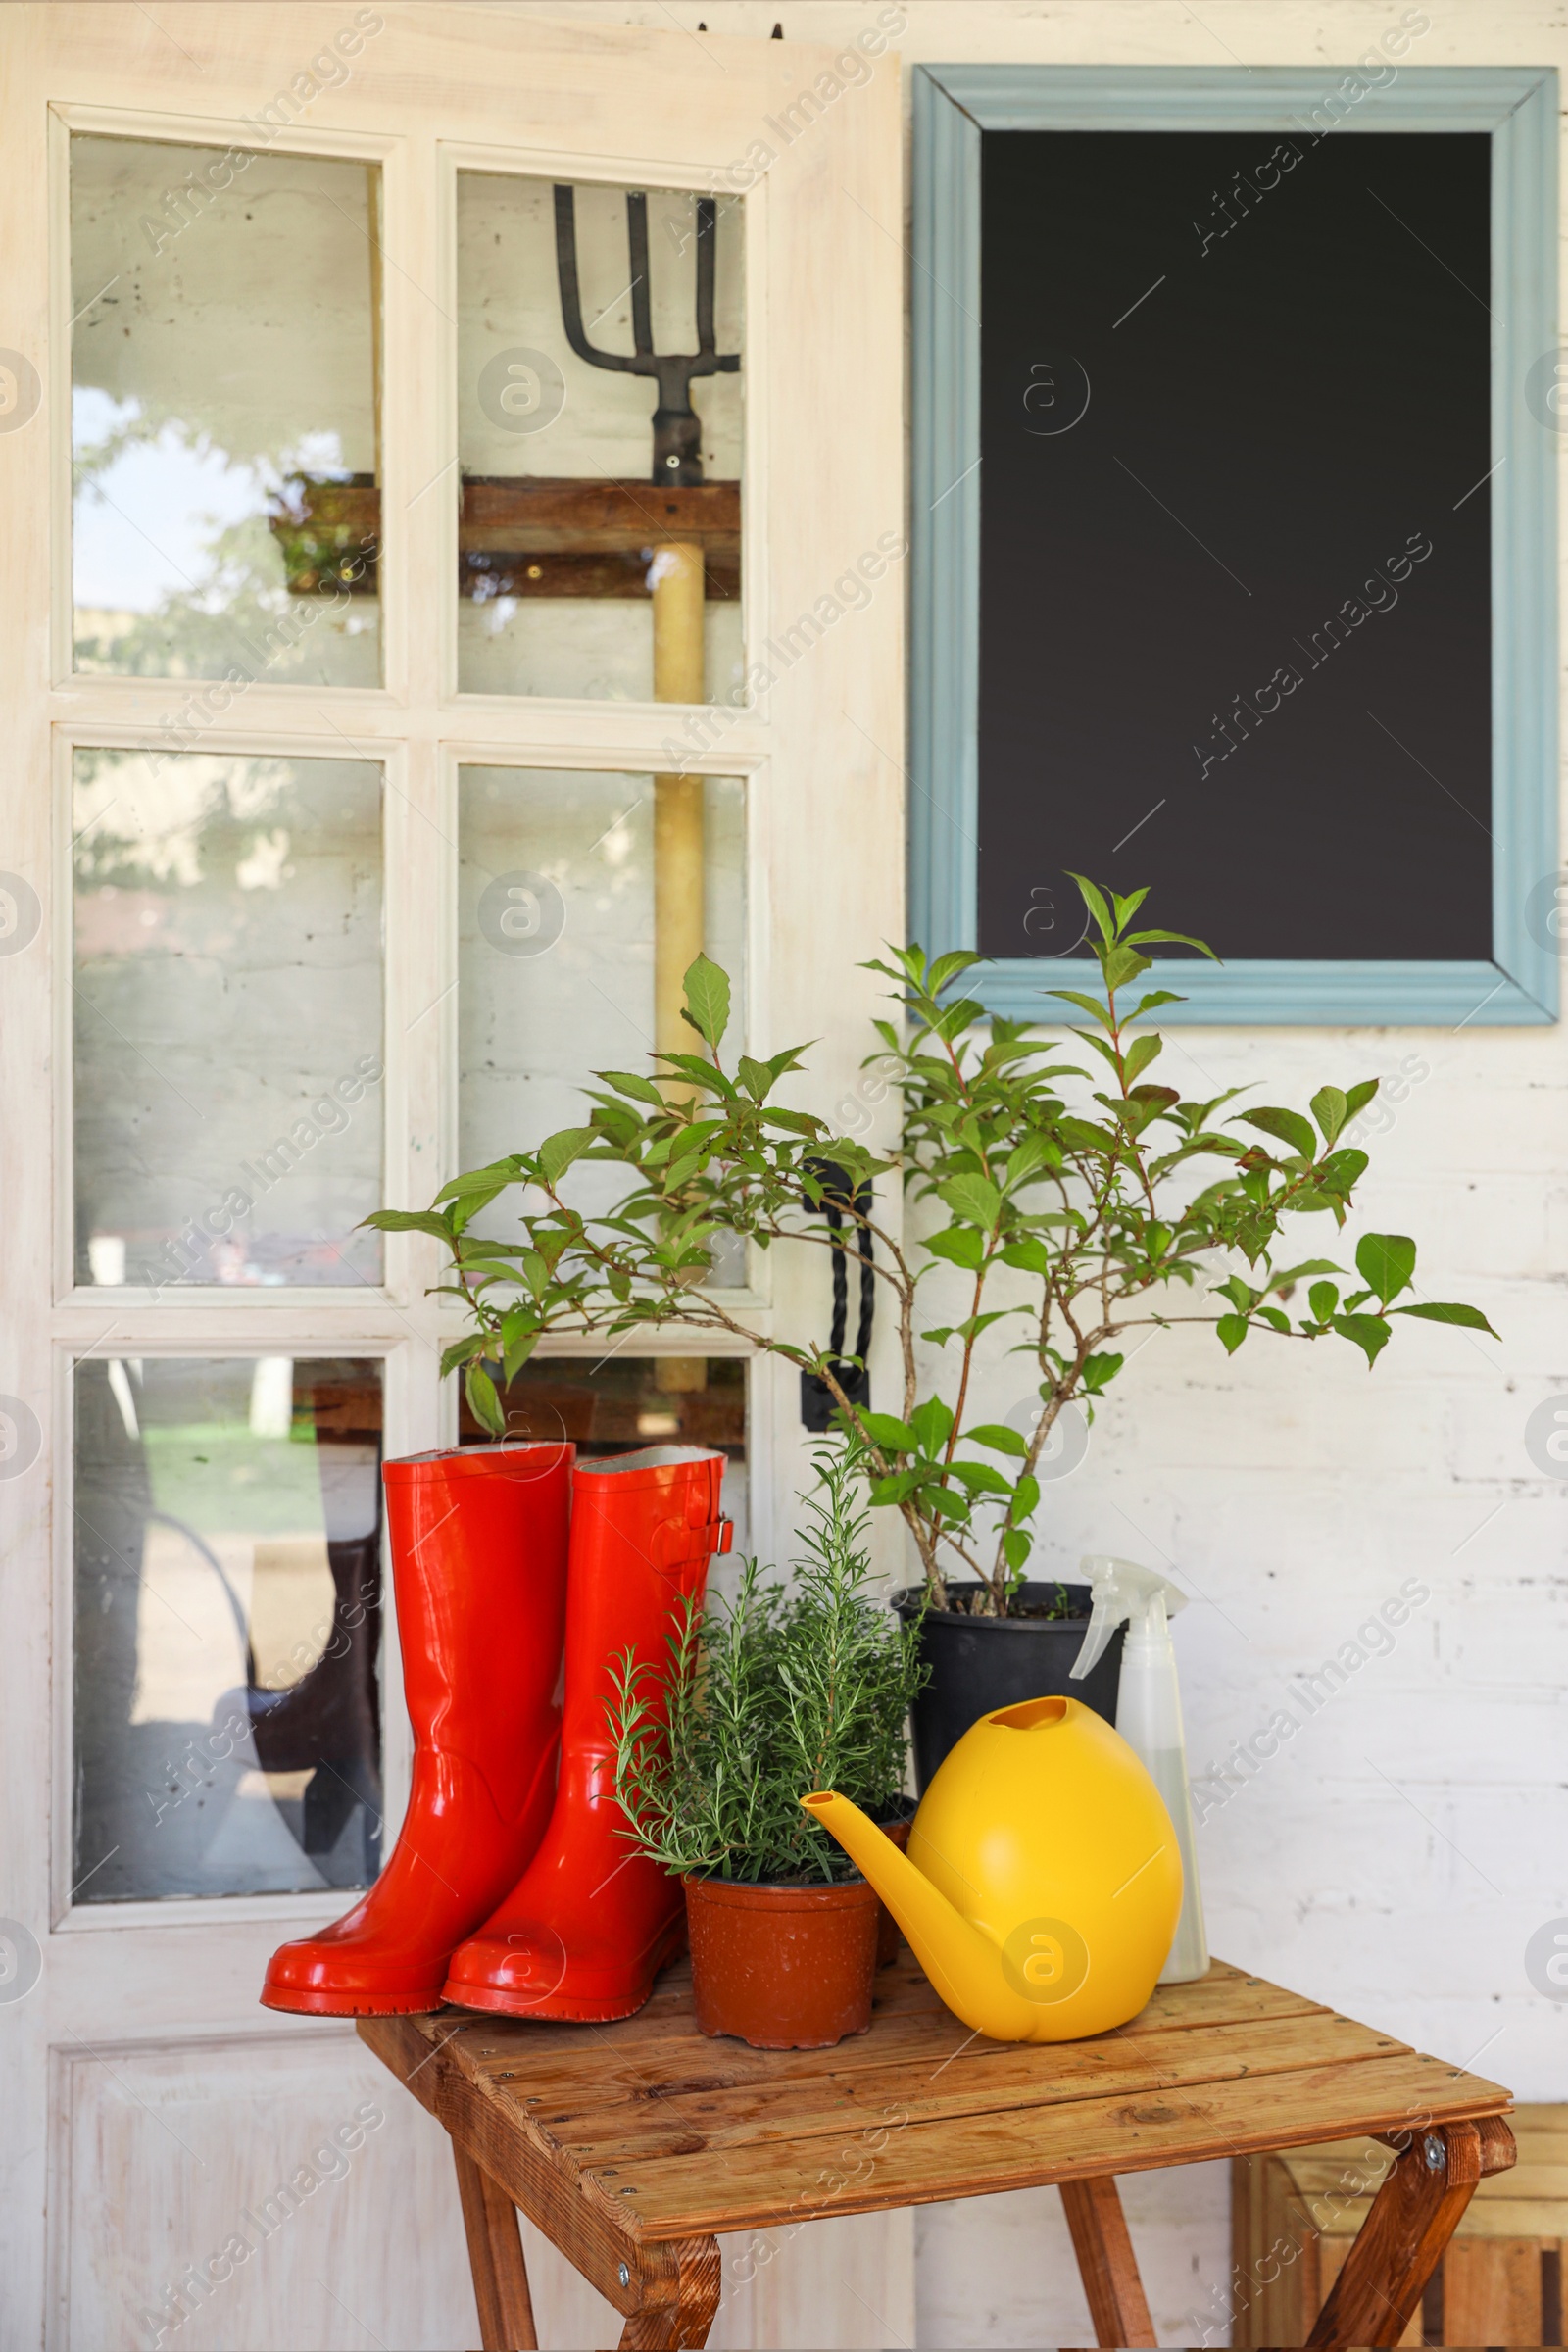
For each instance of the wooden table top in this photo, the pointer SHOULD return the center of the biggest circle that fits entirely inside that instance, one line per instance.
(646, 2129)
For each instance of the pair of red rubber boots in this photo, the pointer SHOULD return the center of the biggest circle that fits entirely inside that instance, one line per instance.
(521, 1576)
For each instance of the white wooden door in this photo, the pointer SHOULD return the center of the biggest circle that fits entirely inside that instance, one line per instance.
(329, 791)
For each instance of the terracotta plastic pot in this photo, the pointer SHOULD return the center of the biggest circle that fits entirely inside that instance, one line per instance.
(782, 1967)
(896, 1826)
(981, 1663)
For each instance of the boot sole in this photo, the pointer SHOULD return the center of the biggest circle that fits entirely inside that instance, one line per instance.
(353, 2004)
(564, 2008)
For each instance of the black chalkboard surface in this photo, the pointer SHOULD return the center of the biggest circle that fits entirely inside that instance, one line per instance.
(1235, 597)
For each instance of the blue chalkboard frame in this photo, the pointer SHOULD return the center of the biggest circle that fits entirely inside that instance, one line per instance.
(953, 104)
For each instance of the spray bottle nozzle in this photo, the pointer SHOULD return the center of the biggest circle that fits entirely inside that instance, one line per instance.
(1121, 1590)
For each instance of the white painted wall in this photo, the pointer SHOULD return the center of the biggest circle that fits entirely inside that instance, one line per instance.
(1396, 1854)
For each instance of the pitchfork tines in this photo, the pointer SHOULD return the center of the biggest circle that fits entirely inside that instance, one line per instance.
(677, 428)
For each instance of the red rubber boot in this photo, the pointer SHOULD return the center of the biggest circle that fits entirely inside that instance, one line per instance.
(592, 1921)
(479, 1548)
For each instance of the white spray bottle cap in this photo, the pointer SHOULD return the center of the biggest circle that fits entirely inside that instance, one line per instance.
(1122, 1593)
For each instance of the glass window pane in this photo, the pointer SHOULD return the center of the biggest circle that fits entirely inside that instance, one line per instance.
(227, 1618)
(228, 1018)
(565, 875)
(600, 520)
(611, 1403)
(224, 415)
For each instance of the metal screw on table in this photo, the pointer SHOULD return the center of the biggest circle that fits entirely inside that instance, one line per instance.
(1431, 2149)
(626, 2275)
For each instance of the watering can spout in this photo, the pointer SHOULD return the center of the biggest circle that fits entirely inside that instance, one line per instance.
(963, 1964)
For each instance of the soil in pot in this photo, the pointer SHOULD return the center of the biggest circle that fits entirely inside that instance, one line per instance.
(978, 1663)
(782, 1967)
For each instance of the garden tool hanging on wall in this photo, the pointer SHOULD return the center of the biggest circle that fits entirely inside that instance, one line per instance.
(675, 574)
(838, 1196)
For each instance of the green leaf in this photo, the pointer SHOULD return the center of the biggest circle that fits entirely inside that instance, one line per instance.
(1016, 1545)
(1140, 1054)
(461, 1350)
(1101, 1370)
(973, 1198)
(1368, 1332)
(756, 1076)
(627, 1081)
(961, 1244)
(1358, 1097)
(1153, 1001)
(1386, 1263)
(1274, 1318)
(1029, 1156)
(1120, 964)
(1286, 1126)
(931, 1422)
(896, 1488)
(500, 1172)
(1094, 900)
(981, 1479)
(558, 1152)
(1025, 1498)
(1175, 939)
(1090, 1005)
(999, 1436)
(708, 1000)
(889, 1433)
(1030, 1256)
(410, 1220)
(1324, 1298)
(1232, 1330)
(1331, 1109)
(1438, 1310)
(483, 1402)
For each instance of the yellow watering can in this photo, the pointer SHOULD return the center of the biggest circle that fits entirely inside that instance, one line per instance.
(1043, 1883)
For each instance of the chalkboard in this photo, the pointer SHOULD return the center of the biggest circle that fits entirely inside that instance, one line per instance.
(1234, 572)
(1233, 530)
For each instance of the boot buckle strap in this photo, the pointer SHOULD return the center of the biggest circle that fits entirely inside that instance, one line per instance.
(673, 1544)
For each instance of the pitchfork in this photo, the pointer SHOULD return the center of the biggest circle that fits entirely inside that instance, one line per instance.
(677, 428)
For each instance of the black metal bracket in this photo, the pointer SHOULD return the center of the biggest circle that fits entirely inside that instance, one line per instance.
(818, 1401)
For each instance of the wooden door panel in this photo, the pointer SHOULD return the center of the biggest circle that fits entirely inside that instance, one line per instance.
(236, 2193)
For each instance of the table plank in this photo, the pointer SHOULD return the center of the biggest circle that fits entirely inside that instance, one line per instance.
(632, 2118)
(924, 2163)
(645, 2130)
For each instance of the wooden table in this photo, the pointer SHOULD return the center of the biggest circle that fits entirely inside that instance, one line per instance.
(635, 2147)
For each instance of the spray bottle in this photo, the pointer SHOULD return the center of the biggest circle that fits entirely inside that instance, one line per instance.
(1148, 1717)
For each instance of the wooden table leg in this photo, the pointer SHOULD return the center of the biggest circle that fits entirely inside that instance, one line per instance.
(1106, 2263)
(680, 2285)
(495, 2256)
(1411, 2219)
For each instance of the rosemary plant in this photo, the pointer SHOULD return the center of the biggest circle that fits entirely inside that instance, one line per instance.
(768, 1695)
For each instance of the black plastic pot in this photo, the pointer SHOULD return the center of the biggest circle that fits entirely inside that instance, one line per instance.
(978, 1663)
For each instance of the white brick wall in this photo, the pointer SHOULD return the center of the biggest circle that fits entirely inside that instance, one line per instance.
(1394, 1856)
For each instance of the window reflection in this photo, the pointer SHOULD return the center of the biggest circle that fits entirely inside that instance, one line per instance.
(600, 338)
(228, 1018)
(228, 1622)
(225, 415)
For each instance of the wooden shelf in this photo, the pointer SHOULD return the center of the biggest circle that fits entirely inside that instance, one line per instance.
(520, 535)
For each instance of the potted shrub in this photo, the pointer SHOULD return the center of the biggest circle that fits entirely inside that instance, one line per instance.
(767, 1696)
(1072, 1206)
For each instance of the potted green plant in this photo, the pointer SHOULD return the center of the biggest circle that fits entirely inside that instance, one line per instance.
(767, 1696)
(1063, 1189)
